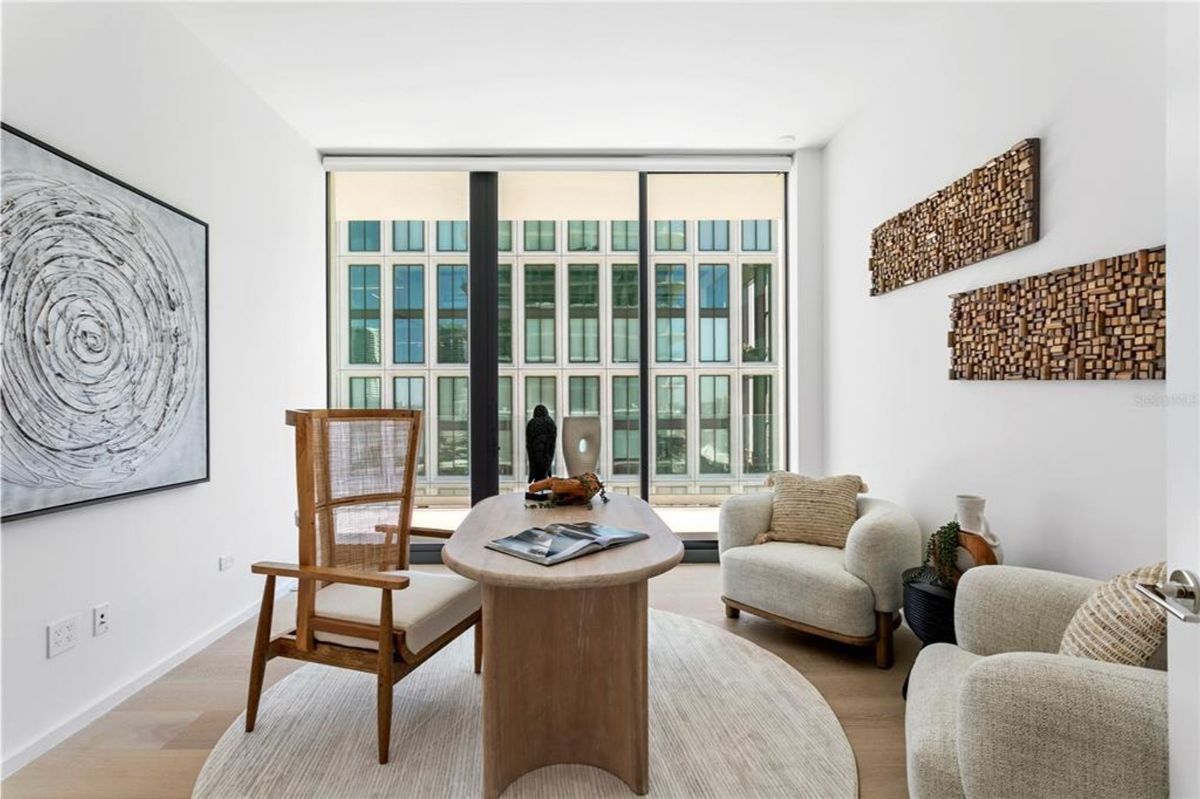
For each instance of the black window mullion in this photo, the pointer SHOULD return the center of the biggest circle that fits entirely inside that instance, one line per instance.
(484, 369)
(644, 332)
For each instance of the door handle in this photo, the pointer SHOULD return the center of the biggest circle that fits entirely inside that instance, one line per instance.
(1180, 595)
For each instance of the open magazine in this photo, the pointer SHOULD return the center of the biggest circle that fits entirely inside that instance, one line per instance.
(561, 541)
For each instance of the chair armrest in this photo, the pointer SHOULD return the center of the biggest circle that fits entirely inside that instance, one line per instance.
(882, 543)
(330, 575)
(1034, 724)
(1013, 609)
(431, 532)
(428, 532)
(742, 519)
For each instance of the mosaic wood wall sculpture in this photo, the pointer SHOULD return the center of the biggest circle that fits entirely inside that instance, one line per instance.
(1100, 321)
(991, 211)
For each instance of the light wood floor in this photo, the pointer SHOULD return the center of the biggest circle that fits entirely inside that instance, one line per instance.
(153, 745)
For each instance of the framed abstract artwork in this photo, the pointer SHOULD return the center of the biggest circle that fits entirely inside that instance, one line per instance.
(103, 335)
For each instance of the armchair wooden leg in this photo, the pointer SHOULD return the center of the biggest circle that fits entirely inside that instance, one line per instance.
(731, 612)
(258, 662)
(479, 645)
(884, 649)
(384, 681)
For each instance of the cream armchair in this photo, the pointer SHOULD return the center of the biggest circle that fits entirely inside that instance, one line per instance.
(851, 595)
(1002, 714)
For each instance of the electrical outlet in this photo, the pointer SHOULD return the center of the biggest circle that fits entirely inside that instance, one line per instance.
(100, 619)
(225, 562)
(61, 635)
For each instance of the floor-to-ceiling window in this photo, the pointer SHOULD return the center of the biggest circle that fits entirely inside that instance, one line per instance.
(568, 301)
(717, 385)
(399, 304)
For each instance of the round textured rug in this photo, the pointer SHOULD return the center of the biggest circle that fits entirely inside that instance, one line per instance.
(727, 719)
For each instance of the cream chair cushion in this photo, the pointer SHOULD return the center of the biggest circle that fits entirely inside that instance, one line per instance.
(802, 582)
(430, 606)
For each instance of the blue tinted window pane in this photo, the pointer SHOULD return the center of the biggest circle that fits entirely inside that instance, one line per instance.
(408, 236)
(539, 313)
(670, 289)
(670, 299)
(625, 235)
(363, 236)
(453, 426)
(452, 313)
(713, 234)
(757, 424)
(539, 235)
(408, 313)
(504, 235)
(364, 392)
(452, 236)
(756, 305)
(408, 393)
(670, 400)
(583, 236)
(626, 425)
(670, 235)
(504, 309)
(756, 235)
(364, 312)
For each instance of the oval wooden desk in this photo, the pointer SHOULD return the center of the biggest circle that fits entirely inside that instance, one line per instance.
(564, 647)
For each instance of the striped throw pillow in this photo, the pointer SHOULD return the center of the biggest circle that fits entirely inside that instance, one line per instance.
(810, 510)
(1117, 624)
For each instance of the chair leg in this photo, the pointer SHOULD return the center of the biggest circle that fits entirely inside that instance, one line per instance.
(884, 649)
(258, 662)
(383, 677)
(731, 612)
(479, 645)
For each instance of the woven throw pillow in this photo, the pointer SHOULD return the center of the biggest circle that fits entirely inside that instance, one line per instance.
(1117, 624)
(809, 510)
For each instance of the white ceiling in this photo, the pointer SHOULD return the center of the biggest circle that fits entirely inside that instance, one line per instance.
(577, 77)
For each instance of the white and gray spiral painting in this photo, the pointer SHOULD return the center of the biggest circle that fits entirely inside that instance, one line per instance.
(103, 351)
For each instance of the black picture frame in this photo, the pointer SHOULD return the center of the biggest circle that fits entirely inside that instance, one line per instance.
(201, 319)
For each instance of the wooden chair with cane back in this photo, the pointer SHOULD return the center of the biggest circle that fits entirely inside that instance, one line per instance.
(358, 605)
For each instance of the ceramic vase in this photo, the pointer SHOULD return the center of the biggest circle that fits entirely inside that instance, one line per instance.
(968, 512)
(581, 444)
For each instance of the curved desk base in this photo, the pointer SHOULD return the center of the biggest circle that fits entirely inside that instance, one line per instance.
(565, 681)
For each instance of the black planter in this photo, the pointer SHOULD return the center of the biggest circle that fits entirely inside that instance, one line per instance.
(929, 611)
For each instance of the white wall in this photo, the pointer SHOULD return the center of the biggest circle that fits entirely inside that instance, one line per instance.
(1073, 471)
(130, 91)
(1183, 382)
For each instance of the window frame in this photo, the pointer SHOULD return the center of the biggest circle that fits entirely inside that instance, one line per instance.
(542, 226)
(457, 226)
(585, 313)
(451, 314)
(408, 224)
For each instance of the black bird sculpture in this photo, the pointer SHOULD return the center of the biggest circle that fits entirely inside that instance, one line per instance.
(541, 435)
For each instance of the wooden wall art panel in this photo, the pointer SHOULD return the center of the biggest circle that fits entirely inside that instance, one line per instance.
(991, 211)
(1106, 320)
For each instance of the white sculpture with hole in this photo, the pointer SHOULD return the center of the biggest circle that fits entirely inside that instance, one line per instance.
(581, 444)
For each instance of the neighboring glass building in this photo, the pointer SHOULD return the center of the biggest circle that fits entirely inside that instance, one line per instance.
(568, 339)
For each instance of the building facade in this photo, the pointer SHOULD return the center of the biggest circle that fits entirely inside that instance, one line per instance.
(569, 339)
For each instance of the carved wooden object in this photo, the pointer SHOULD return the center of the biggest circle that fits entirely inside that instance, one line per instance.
(1100, 321)
(991, 211)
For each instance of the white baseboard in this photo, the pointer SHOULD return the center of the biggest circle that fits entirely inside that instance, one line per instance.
(45, 743)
